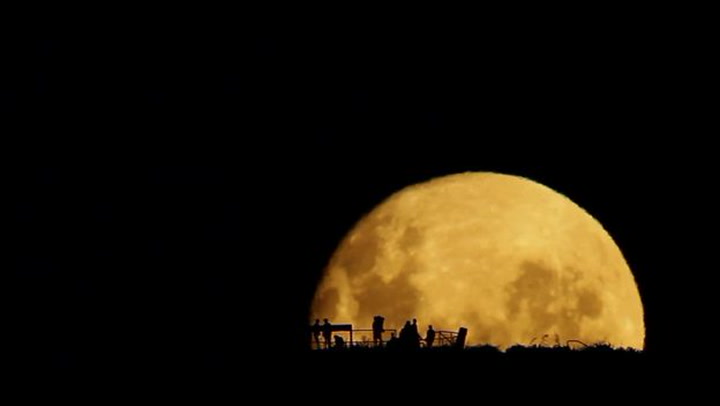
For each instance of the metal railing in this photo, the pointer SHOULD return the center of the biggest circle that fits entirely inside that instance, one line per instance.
(367, 340)
(445, 338)
(363, 337)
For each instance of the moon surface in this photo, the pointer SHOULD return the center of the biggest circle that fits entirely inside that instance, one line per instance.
(506, 257)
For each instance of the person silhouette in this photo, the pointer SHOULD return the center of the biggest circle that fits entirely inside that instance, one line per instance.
(326, 332)
(378, 329)
(316, 329)
(405, 333)
(393, 343)
(404, 340)
(414, 335)
(339, 342)
(430, 336)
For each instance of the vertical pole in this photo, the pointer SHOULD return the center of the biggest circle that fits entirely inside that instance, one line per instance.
(461, 336)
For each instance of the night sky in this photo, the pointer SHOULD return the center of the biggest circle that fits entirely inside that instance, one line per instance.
(175, 196)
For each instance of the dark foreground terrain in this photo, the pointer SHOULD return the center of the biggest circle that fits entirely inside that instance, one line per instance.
(490, 370)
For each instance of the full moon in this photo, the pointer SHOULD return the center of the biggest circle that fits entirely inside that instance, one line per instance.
(506, 257)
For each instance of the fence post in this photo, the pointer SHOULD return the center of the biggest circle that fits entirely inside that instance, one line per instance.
(460, 340)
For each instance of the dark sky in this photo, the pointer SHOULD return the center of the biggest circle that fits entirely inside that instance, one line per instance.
(175, 196)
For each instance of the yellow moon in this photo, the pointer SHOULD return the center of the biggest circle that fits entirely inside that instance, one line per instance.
(506, 257)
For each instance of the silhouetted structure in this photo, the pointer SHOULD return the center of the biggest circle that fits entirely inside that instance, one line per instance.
(430, 336)
(327, 332)
(378, 329)
(407, 339)
(460, 340)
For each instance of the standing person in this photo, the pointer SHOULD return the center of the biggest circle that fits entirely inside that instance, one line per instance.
(378, 329)
(415, 335)
(316, 329)
(405, 333)
(430, 336)
(327, 332)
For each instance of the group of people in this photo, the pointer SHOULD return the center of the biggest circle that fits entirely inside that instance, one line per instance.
(409, 336)
(326, 330)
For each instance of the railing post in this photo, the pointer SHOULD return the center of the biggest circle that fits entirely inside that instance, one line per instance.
(460, 340)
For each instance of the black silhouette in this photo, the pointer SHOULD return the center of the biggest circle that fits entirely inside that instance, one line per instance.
(404, 341)
(316, 329)
(378, 329)
(326, 332)
(393, 342)
(414, 335)
(461, 336)
(409, 336)
(430, 336)
(446, 342)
